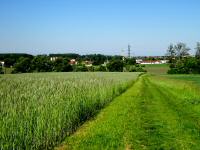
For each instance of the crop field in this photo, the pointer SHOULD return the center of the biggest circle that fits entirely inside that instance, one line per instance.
(39, 110)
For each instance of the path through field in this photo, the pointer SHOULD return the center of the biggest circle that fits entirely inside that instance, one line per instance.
(153, 114)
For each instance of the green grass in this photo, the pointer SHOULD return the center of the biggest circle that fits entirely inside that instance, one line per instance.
(7, 70)
(157, 68)
(191, 78)
(39, 110)
(155, 113)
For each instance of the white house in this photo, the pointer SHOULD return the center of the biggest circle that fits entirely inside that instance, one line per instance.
(53, 58)
(145, 62)
(138, 61)
(2, 63)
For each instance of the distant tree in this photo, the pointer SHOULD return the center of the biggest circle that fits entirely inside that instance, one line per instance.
(14, 56)
(58, 65)
(116, 58)
(66, 66)
(191, 64)
(198, 50)
(185, 65)
(171, 53)
(1, 70)
(41, 63)
(115, 66)
(23, 65)
(62, 65)
(130, 61)
(80, 68)
(101, 68)
(181, 50)
(9, 62)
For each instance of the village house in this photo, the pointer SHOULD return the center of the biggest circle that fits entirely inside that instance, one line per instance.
(138, 61)
(2, 63)
(53, 58)
(145, 62)
(73, 62)
(87, 63)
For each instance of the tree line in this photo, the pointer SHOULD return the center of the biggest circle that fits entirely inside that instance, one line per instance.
(181, 62)
(24, 63)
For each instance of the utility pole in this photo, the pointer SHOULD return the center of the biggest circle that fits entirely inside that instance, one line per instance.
(129, 51)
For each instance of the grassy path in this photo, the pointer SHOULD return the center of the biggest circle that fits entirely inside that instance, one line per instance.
(150, 115)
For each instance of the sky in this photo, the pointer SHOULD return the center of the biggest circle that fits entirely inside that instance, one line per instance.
(98, 26)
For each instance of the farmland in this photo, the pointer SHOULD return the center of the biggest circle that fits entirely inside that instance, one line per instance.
(100, 111)
(39, 110)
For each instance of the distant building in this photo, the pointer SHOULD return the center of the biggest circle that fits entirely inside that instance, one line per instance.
(73, 62)
(2, 63)
(53, 58)
(138, 61)
(164, 61)
(145, 62)
(87, 63)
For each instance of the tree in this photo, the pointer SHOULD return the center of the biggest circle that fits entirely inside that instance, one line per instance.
(181, 50)
(185, 65)
(1, 70)
(66, 66)
(115, 66)
(41, 63)
(101, 68)
(171, 53)
(80, 68)
(130, 61)
(23, 65)
(9, 62)
(62, 65)
(198, 50)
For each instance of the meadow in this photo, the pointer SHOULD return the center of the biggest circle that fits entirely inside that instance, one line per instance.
(38, 110)
(193, 78)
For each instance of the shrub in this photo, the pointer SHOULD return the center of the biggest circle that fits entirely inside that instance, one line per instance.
(1, 70)
(115, 66)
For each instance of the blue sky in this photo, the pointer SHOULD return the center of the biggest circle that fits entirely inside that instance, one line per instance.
(97, 26)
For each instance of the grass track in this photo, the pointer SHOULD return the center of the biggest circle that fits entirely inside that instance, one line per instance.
(150, 115)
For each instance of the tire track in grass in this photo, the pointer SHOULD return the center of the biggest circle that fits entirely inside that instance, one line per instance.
(157, 122)
(148, 134)
(160, 127)
(166, 122)
(188, 119)
(144, 117)
(108, 129)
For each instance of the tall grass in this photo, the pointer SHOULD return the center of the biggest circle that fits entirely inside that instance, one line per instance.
(39, 110)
